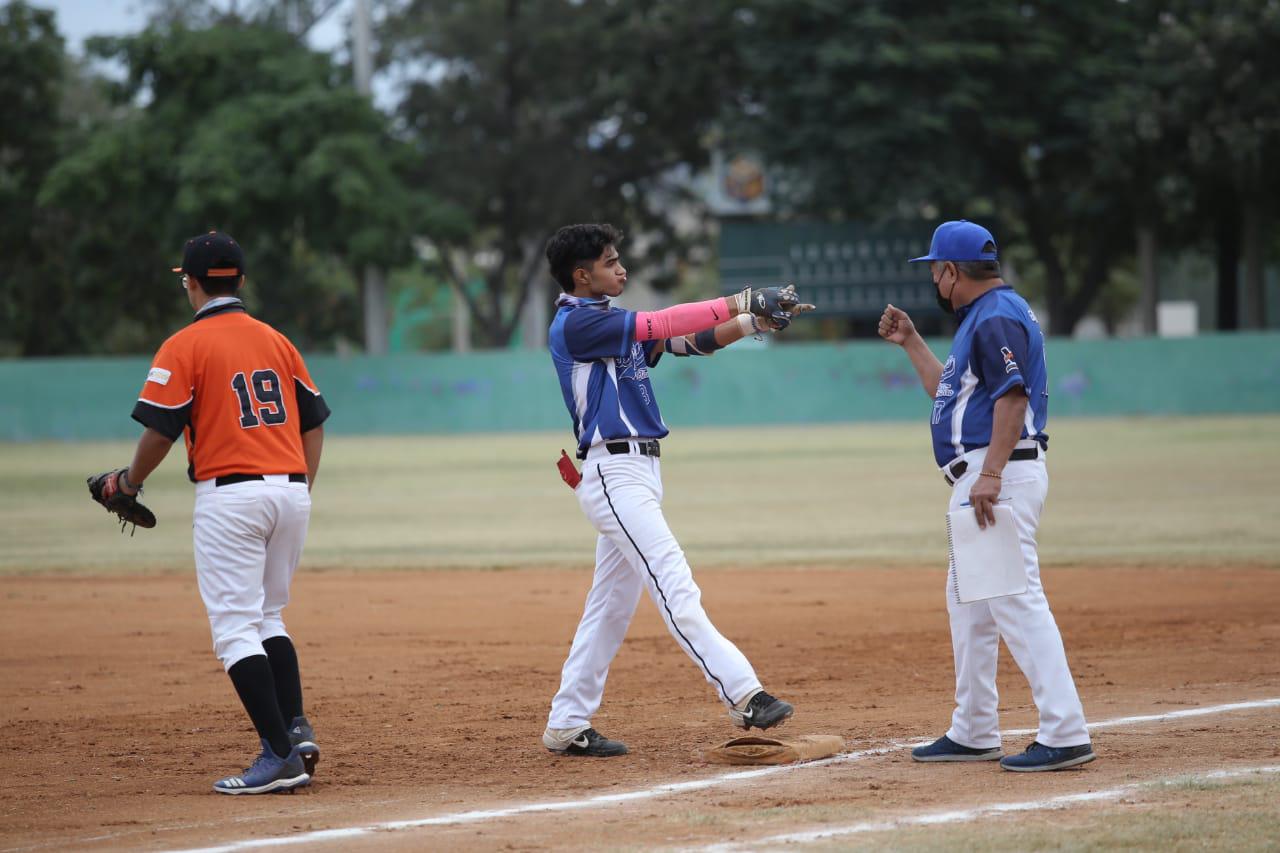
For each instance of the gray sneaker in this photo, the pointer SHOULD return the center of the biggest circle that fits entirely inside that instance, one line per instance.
(588, 742)
(303, 738)
(762, 711)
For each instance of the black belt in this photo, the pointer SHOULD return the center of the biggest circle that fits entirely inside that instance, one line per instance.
(643, 446)
(956, 469)
(232, 479)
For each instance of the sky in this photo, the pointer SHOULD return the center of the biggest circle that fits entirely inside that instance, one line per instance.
(79, 19)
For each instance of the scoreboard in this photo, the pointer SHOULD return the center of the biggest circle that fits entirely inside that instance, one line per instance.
(848, 269)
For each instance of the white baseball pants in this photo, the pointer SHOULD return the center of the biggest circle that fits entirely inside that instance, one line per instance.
(621, 496)
(1025, 623)
(248, 540)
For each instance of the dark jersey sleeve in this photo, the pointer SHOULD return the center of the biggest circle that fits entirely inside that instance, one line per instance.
(999, 349)
(590, 334)
(164, 403)
(653, 351)
(167, 422)
(312, 409)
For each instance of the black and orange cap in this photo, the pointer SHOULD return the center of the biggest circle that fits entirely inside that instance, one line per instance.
(212, 255)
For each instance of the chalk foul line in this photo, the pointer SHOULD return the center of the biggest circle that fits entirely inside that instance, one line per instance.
(968, 815)
(480, 815)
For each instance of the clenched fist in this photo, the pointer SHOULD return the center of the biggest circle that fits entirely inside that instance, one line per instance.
(895, 326)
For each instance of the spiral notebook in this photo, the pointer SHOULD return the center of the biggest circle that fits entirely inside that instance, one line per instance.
(985, 563)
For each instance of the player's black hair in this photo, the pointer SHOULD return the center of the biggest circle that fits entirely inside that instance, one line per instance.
(575, 246)
(219, 285)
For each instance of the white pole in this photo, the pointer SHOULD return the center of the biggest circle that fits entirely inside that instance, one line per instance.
(376, 313)
(361, 48)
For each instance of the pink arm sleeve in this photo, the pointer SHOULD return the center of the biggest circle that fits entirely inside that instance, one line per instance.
(681, 320)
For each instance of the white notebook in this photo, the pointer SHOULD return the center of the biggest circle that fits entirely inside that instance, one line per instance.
(985, 563)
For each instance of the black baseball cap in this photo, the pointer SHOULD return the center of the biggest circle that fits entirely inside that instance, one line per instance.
(212, 255)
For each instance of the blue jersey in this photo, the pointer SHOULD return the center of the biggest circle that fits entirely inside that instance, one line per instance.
(604, 372)
(998, 345)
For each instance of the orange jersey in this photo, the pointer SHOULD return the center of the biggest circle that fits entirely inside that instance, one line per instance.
(240, 392)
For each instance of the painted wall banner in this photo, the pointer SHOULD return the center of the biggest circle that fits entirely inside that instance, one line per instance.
(86, 399)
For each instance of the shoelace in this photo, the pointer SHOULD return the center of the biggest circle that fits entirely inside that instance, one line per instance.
(259, 760)
(761, 700)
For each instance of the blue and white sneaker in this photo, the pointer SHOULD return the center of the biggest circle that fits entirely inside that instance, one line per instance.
(945, 749)
(302, 736)
(268, 773)
(1039, 757)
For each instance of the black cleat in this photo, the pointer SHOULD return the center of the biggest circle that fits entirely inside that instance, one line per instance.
(763, 712)
(589, 742)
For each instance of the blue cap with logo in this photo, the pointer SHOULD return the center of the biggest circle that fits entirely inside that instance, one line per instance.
(961, 240)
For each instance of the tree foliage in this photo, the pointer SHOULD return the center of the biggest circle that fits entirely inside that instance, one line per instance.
(937, 110)
(1203, 109)
(1069, 126)
(530, 114)
(239, 127)
(32, 68)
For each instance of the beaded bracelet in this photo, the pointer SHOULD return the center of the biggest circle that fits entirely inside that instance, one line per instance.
(989, 474)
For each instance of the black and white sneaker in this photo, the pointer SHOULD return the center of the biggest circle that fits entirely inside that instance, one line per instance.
(302, 736)
(762, 711)
(587, 742)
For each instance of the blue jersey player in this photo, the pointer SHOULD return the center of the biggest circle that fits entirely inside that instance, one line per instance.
(989, 414)
(603, 356)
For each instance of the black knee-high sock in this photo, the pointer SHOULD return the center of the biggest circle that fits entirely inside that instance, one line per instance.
(284, 666)
(257, 688)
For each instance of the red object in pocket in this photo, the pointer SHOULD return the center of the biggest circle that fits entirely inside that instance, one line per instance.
(568, 472)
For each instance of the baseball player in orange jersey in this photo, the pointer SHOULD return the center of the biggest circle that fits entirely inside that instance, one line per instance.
(252, 417)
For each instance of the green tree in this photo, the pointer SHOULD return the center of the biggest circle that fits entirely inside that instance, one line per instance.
(32, 69)
(296, 17)
(530, 114)
(1205, 88)
(930, 109)
(240, 127)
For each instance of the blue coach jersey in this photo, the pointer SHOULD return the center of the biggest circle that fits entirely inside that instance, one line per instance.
(604, 372)
(998, 345)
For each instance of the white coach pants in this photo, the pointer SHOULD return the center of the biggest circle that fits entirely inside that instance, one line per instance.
(1025, 623)
(248, 540)
(621, 496)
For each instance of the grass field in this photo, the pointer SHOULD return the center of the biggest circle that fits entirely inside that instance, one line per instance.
(1164, 532)
(1237, 815)
(1178, 491)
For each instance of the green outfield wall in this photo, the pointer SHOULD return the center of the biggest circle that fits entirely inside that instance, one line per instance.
(752, 383)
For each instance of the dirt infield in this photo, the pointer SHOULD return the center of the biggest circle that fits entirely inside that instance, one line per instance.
(429, 691)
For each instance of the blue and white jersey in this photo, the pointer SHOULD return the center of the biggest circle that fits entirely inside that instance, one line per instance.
(998, 345)
(604, 372)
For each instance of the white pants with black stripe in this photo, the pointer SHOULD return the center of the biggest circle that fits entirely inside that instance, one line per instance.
(622, 497)
(248, 540)
(1024, 622)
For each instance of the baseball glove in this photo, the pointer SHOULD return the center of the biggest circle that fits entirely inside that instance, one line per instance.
(105, 489)
(776, 305)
